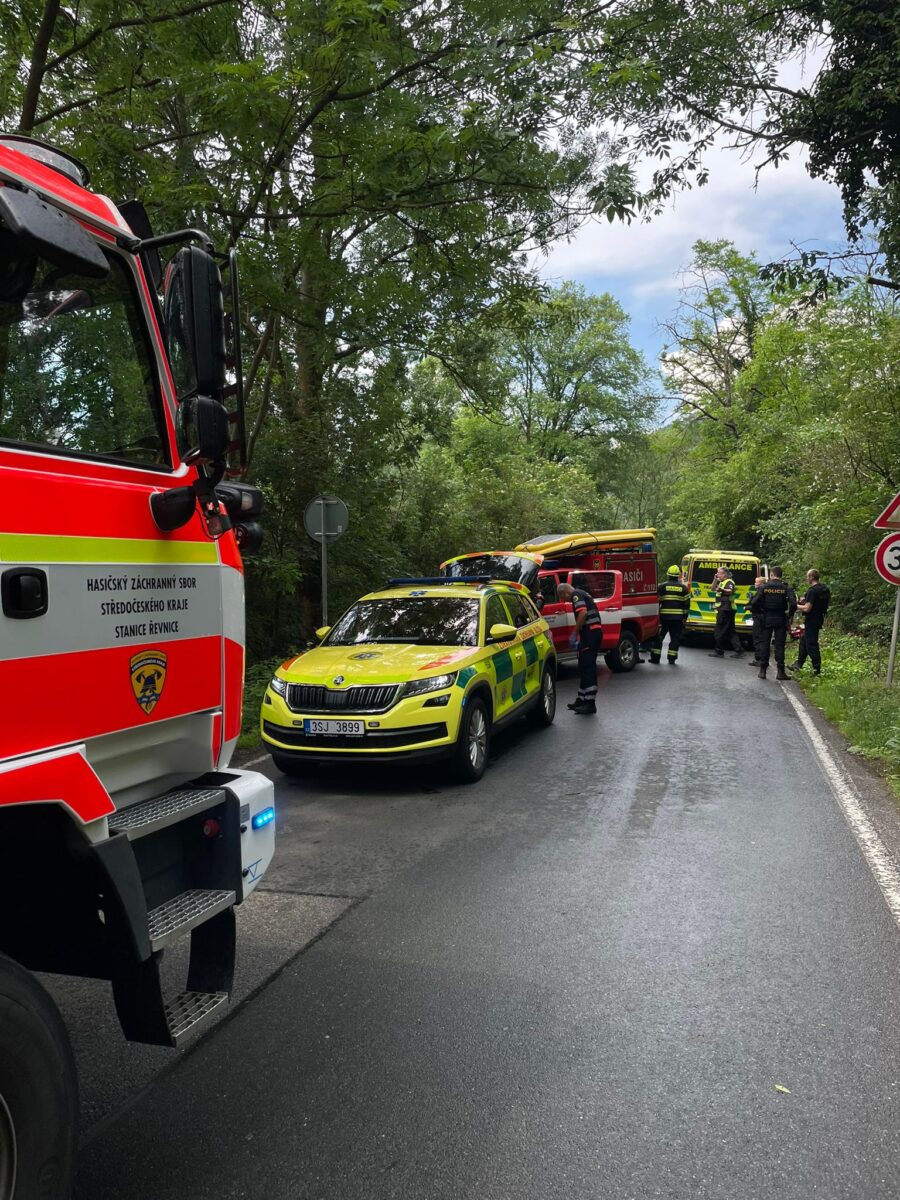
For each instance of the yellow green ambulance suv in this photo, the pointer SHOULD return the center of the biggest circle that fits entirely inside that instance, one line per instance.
(426, 669)
(698, 569)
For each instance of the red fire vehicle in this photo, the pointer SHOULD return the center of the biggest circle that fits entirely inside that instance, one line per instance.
(121, 638)
(593, 560)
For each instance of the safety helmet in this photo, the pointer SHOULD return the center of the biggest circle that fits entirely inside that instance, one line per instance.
(673, 570)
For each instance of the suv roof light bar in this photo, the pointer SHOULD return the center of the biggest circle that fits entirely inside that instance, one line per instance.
(439, 580)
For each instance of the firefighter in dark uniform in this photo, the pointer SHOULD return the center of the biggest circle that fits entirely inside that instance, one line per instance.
(814, 606)
(757, 620)
(725, 634)
(776, 603)
(588, 634)
(674, 602)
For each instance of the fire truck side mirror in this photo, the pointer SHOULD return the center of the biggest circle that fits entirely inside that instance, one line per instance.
(205, 436)
(194, 311)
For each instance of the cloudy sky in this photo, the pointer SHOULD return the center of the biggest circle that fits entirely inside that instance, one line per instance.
(640, 264)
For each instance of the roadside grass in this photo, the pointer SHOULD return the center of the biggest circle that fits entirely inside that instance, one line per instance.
(853, 693)
(256, 678)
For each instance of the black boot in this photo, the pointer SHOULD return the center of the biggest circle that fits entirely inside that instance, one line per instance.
(586, 708)
(673, 662)
(575, 704)
(782, 674)
(655, 661)
(762, 672)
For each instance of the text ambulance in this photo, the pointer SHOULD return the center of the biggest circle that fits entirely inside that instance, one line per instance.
(121, 640)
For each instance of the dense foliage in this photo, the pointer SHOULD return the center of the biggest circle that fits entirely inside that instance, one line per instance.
(787, 437)
(387, 169)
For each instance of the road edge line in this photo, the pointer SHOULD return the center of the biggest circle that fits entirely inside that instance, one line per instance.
(878, 858)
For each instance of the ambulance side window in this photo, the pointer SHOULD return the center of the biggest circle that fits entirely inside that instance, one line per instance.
(494, 614)
(76, 369)
(519, 611)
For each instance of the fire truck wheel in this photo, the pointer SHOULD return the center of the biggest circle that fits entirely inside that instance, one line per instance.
(473, 743)
(626, 654)
(544, 711)
(38, 1092)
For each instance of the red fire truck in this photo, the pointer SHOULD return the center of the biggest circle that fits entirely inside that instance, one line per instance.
(618, 567)
(121, 637)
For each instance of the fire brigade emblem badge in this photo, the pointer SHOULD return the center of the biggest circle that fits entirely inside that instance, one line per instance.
(148, 678)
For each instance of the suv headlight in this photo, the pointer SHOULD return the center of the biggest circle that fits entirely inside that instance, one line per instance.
(435, 684)
(278, 685)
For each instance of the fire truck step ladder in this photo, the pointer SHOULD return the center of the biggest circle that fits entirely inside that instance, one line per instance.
(189, 1012)
(144, 1012)
(152, 815)
(182, 913)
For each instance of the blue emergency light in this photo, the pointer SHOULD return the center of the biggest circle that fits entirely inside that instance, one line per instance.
(263, 818)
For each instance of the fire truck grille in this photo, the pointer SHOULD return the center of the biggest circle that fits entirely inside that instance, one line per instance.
(306, 698)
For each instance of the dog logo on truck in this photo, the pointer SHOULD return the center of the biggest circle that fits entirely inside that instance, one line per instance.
(148, 678)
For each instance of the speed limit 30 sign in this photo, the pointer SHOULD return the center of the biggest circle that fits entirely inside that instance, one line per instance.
(887, 559)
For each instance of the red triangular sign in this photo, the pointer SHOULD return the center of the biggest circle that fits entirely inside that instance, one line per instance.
(890, 518)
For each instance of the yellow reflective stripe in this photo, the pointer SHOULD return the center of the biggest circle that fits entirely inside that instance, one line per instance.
(39, 547)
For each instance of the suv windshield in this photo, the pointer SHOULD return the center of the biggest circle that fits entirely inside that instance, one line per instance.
(425, 620)
(76, 372)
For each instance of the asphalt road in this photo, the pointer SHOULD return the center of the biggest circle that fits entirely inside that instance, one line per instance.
(589, 976)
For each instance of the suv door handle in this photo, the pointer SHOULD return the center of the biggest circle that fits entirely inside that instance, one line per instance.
(23, 592)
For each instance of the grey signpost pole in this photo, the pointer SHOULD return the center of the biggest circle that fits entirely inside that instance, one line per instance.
(893, 655)
(324, 528)
(325, 518)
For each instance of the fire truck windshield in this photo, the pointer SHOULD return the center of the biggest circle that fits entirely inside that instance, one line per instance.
(76, 368)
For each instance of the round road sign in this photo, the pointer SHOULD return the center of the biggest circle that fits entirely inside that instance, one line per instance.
(326, 516)
(887, 559)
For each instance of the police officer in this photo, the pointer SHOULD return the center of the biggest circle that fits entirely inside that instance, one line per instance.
(757, 620)
(588, 633)
(725, 634)
(776, 603)
(814, 606)
(674, 602)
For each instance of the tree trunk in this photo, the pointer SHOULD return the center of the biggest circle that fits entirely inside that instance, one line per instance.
(36, 67)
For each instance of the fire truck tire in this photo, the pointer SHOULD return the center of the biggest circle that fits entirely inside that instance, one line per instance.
(473, 743)
(38, 1092)
(542, 713)
(626, 654)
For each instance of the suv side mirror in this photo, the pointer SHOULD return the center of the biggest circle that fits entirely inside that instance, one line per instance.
(502, 633)
(322, 632)
(194, 312)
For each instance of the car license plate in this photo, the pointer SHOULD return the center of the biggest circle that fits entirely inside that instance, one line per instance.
(342, 728)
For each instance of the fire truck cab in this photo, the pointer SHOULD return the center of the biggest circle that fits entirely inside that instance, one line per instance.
(605, 587)
(121, 638)
(629, 553)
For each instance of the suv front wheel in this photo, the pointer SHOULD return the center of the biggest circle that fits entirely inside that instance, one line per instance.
(473, 743)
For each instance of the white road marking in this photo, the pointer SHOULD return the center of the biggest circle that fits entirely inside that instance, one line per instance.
(880, 861)
(254, 761)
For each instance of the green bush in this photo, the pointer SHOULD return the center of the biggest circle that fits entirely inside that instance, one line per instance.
(256, 678)
(852, 691)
